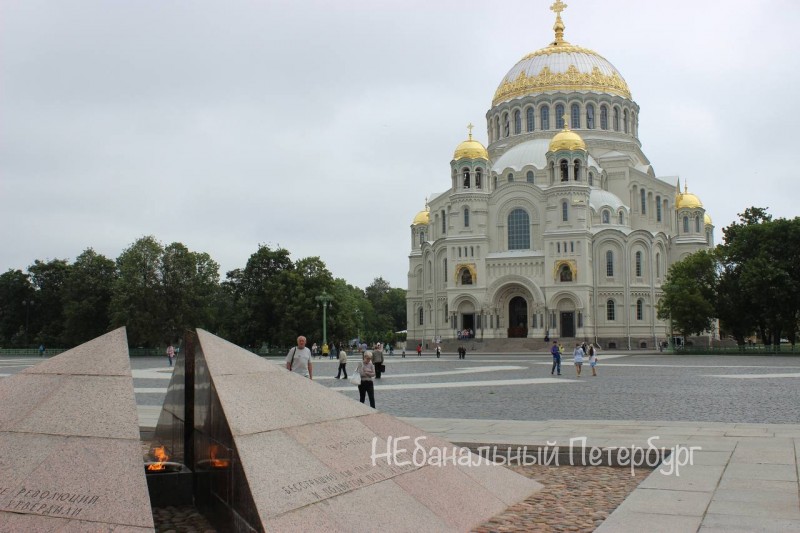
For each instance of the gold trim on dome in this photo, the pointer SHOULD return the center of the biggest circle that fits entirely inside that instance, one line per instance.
(564, 48)
(571, 80)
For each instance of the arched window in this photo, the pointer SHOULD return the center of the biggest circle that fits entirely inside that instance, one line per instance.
(610, 314)
(686, 224)
(505, 125)
(529, 176)
(610, 264)
(625, 120)
(421, 317)
(544, 114)
(606, 216)
(466, 217)
(564, 215)
(591, 179)
(444, 223)
(621, 218)
(658, 265)
(510, 177)
(575, 116)
(519, 230)
(497, 126)
(421, 238)
(517, 122)
(466, 276)
(559, 116)
(658, 209)
(478, 176)
(638, 265)
(466, 178)
(603, 117)
(564, 170)
(644, 201)
(697, 223)
(494, 182)
(577, 170)
(639, 309)
(558, 247)
(616, 119)
(529, 119)
(444, 265)
(589, 116)
(565, 273)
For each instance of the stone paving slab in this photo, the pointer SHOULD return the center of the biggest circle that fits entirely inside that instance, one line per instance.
(745, 477)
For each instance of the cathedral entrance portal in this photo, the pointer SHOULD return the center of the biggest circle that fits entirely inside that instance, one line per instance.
(468, 322)
(568, 324)
(517, 317)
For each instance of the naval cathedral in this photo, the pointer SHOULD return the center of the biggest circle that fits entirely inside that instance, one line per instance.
(560, 227)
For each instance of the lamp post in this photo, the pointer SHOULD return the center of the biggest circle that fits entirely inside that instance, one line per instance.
(358, 326)
(324, 300)
(27, 304)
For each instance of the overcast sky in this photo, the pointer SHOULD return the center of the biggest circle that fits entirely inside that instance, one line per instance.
(321, 126)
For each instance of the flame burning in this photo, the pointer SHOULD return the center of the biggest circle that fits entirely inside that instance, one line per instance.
(217, 463)
(161, 456)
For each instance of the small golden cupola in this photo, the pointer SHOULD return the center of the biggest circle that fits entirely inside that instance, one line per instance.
(423, 217)
(567, 139)
(470, 149)
(687, 200)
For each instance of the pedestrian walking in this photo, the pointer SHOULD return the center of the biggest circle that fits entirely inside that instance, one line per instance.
(367, 371)
(593, 358)
(419, 350)
(556, 353)
(377, 360)
(170, 353)
(298, 359)
(342, 364)
(438, 351)
(577, 356)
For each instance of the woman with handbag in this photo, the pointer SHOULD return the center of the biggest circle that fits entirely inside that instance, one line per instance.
(377, 358)
(367, 372)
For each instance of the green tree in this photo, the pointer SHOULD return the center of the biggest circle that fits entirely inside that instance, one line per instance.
(189, 285)
(47, 321)
(761, 276)
(15, 288)
(86, 297)
(689, 298)
(137, 301)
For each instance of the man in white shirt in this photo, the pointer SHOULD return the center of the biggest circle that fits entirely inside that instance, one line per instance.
(299, 359)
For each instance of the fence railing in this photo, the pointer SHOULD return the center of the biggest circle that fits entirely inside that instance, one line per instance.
(133, 352)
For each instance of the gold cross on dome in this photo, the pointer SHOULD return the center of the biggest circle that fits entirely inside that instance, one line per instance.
(469, 127)
(566, 123)
(557, 7)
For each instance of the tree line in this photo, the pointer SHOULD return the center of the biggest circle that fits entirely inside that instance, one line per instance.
(750, 282)
(157, 292)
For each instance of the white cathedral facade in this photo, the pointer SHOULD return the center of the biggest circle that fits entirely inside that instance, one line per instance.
(560, 227)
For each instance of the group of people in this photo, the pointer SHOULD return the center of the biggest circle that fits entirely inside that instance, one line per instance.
(582, 351)
(298, 360)
(466, 334)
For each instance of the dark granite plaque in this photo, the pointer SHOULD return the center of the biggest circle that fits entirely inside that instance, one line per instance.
(69, 432)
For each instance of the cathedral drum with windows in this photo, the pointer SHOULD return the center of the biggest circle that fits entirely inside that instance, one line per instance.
(560, 228)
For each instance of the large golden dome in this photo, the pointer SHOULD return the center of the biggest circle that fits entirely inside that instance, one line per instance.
(687, 200)
(567, 139)
(561, 66)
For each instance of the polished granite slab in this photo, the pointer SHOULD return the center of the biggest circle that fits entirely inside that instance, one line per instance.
(276, 451)
(69, 433)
